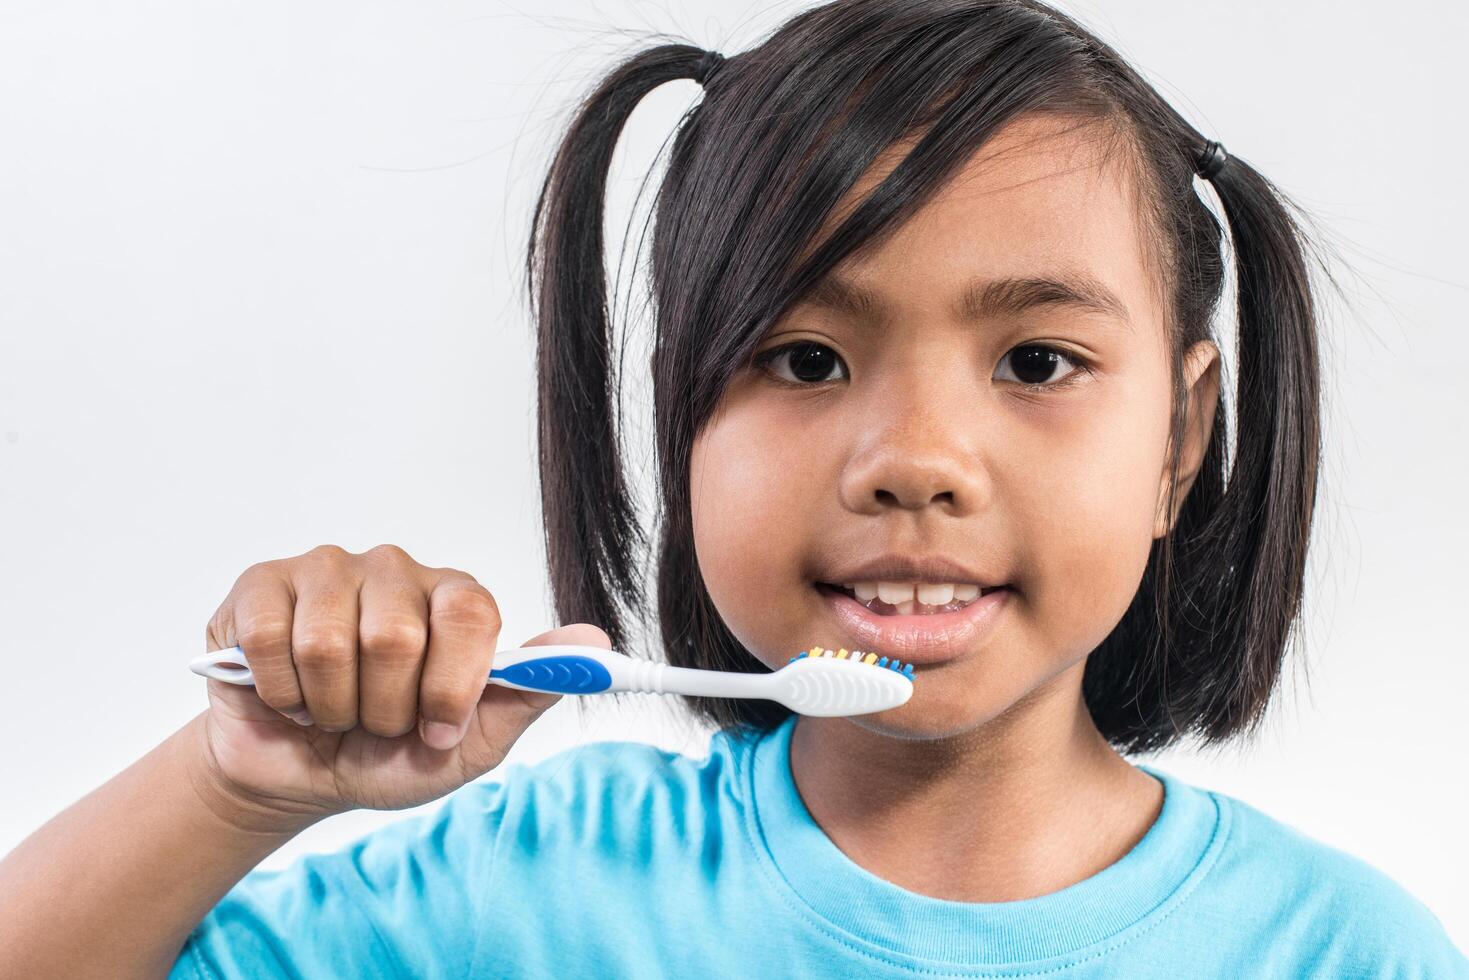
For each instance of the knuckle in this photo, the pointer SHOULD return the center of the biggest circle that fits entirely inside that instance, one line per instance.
(259, 576)
(251, 573)
(317, 646)
(390, 553)
(330, 557)
(258, 632)
(466, 605)
(396, 637)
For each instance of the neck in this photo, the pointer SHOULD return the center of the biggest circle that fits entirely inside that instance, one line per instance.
(1023, 805)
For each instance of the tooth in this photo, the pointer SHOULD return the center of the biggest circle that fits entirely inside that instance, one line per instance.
(963, 593)
(866, 591)
(935, 595)
(906, 608)
(894, 592)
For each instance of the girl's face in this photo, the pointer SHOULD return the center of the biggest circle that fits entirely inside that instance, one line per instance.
(942, 404)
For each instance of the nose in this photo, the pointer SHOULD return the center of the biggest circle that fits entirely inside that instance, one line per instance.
(925, 455)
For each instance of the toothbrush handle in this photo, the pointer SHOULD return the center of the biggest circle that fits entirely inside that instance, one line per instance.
(556, 668)
(577, 669)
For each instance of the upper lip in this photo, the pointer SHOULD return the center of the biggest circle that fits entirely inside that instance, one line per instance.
(933, 569)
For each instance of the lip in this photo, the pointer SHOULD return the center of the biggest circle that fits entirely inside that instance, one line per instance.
(927, 639)
(910, 567)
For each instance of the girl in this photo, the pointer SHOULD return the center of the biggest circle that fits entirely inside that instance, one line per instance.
(934, 377)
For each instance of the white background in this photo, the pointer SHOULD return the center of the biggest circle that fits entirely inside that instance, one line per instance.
(259, 290)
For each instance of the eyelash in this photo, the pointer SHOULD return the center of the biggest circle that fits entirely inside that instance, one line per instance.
(766, 357)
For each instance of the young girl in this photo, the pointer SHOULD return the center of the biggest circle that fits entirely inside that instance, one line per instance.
(934, 378)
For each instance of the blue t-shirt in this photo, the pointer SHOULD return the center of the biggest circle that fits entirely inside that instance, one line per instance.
(618, 859)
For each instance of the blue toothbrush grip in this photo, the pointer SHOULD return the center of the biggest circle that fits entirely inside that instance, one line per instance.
(564, 674)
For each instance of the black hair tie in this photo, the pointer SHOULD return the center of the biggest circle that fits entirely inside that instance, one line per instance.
(1212, 160)
(708, 62)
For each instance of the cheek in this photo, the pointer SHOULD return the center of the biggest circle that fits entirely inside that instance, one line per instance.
(746, 522)
(1092, 497)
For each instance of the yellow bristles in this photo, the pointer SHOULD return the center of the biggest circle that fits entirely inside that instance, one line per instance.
(843, 654)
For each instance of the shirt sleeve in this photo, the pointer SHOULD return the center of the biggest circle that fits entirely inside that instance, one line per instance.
(401, 901)
(1384, 932)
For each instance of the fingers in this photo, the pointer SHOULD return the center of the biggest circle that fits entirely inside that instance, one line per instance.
(257, 618)
(392, 637)
(324, 636)
(464, 624)
(337, 640)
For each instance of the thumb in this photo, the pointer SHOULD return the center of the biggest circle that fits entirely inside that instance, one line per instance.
(506, 712)
(582, 633)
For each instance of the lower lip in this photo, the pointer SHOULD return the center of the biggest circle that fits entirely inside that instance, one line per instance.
(927, 639)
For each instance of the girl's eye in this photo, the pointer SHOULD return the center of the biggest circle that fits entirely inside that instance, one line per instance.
(1034, 365)
(809, 362)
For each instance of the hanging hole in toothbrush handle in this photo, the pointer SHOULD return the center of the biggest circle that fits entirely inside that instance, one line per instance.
(226, 665)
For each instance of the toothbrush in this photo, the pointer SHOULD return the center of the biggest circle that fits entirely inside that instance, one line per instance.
(816, 682)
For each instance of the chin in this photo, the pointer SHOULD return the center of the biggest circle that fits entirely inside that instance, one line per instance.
(932, 715)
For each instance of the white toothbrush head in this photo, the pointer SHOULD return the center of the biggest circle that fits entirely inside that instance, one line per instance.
(827, 683)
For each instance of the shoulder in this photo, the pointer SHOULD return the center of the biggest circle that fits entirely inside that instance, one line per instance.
(612, 788)
(1347, 913)
(626, 768)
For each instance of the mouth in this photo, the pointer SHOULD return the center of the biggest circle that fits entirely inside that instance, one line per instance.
(918, 622)
(910, 598)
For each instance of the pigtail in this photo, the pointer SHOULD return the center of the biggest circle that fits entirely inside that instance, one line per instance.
(1262, 524)
(1221, 595)
(591, 528)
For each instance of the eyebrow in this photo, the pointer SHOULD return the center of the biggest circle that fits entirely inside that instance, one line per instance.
(987, 298)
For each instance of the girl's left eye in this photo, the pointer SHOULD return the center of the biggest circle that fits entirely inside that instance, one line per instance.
(809, 362)
(1034, 366)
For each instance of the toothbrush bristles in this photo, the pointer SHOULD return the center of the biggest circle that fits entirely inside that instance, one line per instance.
(867, 658)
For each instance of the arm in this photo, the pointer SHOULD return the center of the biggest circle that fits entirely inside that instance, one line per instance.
(113, 885)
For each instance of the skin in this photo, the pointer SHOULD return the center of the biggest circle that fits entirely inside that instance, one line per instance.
(992, 783)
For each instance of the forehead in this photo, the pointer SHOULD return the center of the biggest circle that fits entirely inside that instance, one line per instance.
(1046, 195)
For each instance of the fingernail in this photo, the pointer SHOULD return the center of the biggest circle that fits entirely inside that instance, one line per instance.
(302, 718)
(443, 736)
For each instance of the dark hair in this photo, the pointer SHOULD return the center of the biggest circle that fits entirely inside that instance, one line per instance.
(783, 131)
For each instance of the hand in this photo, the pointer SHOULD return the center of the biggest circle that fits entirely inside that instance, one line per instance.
(383, 662)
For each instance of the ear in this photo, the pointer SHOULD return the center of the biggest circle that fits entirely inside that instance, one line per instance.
(1201, 381)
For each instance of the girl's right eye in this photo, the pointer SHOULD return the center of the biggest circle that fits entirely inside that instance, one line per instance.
(809, 362)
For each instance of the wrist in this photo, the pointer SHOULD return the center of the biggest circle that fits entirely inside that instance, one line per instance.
(228, 803)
